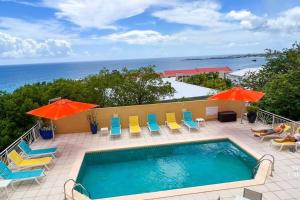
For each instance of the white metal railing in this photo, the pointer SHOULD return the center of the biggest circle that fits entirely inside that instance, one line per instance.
(30, 136)
(272, 119)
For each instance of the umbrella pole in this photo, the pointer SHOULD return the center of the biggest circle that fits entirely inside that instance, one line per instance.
(242, 111)
(52, 127)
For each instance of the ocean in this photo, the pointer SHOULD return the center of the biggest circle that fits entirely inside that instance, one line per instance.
(14, 76)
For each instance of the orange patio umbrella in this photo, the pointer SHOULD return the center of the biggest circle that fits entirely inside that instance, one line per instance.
(238, 94)
(60, 109)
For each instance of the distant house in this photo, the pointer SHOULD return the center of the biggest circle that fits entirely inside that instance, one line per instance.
(237, 76)
(185, 90)
(179, 74)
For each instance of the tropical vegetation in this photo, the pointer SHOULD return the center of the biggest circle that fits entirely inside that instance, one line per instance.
(210, 80)
(279, 79)
(107, 88)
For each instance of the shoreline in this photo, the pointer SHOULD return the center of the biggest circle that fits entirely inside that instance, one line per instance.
(230, 57)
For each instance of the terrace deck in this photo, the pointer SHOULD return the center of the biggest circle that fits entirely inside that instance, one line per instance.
(285, 183)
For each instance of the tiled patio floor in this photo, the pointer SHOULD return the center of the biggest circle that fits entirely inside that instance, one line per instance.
(285, 184)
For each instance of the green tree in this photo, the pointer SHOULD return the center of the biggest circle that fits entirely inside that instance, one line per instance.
(141, 86)
(100, 87)
(283, 94)
(126, 87)
(14, 121)
(279, 79)
(67, 88)
(277, 62)
(210, 80)
(9, 132)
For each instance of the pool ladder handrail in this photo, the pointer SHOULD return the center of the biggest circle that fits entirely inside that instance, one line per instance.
(73, 188)
(272, 161)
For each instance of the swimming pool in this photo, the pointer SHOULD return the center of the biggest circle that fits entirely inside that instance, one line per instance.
(166, 167)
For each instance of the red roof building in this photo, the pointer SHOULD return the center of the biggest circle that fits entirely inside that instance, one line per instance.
(190, 72)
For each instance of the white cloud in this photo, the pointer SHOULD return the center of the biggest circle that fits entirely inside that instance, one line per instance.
(16, 47)
(239, 15)
(27, 3)
(247, 19)
(216, 38)
(287, 21)
(105, 14)
(208, 14)
(139, 37)
(200, 13)
(38, 30)
(101, 14)
(255, 23)
(213, 30)
(245, 44)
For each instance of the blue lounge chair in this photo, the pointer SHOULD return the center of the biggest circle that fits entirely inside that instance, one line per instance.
(152, 123)
(115, 126)
(7, 174)
(188, 120)
(33, 153)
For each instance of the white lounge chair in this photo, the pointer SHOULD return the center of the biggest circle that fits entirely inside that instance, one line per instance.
(17, 176)
(281, 145)
(275, 135)
(35, 153)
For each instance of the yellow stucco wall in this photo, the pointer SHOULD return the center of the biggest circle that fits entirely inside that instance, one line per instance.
(78, 123)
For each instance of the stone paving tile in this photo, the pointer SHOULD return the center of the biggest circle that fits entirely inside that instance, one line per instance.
(282, 194)
(270, 195)
(285, 183)
(273, 187)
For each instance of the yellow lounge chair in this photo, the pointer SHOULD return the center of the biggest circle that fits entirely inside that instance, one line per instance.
(19, 162)
(281, 145)
(274, 135)
(171, 121)
(134, 127)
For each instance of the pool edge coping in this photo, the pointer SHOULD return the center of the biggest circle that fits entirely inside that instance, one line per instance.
(259, 179)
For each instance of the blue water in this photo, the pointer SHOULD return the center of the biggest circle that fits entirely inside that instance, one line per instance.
(14, 76)
(134, 171)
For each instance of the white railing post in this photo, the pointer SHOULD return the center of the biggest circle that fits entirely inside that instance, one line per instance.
(34, 134)
(294, 127)
(29, 135)
(6, 153)
(273, 120)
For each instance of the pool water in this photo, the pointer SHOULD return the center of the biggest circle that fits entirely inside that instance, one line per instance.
(151, 169)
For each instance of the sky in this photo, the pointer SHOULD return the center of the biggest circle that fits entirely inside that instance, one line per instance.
(34, 31)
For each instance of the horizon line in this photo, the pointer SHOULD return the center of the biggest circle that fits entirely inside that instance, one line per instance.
(125, 59)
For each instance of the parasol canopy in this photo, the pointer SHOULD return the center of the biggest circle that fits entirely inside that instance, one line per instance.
(60, 109)
(238, 94)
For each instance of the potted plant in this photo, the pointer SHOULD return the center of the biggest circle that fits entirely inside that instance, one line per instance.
(92, 119)
(46, 131)
(252, 113)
